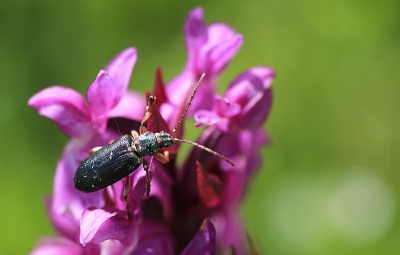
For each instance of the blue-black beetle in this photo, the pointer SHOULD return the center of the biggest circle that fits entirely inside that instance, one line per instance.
(120, 158)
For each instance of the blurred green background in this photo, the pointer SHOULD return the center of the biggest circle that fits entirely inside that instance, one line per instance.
(329, 183)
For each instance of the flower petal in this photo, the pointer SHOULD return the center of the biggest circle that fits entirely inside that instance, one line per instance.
(251, 143)
(251, 90)
(65, 224)
(156, 122)
(219, 32)
(210, 187)
(120, 69)
(204, 243)
(195, 36)
(222, 111)
(159, 88)
(218, 57)
(157, 245)
(179, 91)
(98, 225)
(188, 193)
(101, 98)
(57, 245)
(204, 117)
(210, 48)
(230, 232)
(131, 106)
(66, 107)
(243, 148)
(154, 238)
(175, 90)
(161, 189)
(225, 108)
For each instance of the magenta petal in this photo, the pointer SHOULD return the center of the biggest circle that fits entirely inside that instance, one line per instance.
(98, 225)
(195, 36)
(219, 56)
(219, 116)
(225, 108)
(219, 32)
(65, 224)
(66, 197)
(120, 69)
(252, 141)
(204, 243)
(101, 96)
(204, 117)
(243, 148)
(230, 232)
(155, 246)
(251, 90)
(58, 245)
(154, 238)
(249, 84)
(66, 107)
(176, 88)
(131, 106)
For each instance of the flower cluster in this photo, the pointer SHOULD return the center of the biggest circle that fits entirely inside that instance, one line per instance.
(192, 208)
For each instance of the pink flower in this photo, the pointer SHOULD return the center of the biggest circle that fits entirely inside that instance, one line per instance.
(193, 208)
(210, 48)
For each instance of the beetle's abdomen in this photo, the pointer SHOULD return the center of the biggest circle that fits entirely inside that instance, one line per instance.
(107, 165)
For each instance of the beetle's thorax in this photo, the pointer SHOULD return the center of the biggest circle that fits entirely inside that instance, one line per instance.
(146, 144)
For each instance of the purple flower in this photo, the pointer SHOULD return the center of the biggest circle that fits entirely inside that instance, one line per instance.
(192, 208)
(210, 48)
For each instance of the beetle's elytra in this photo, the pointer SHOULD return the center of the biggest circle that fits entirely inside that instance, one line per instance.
(108, 165)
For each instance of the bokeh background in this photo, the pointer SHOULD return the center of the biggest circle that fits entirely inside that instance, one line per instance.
(329, 183)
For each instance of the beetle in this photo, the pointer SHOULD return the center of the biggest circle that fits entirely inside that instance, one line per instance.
(109, 164)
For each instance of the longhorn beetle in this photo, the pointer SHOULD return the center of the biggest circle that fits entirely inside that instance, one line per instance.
(109, 164)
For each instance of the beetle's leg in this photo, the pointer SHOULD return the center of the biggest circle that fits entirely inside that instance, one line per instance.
(146, 168)
(149, 107)
(170, 154)
(134, 134)
(142, 130)
(162, 158)
(93, 150)
(166, 153)
(127, 188)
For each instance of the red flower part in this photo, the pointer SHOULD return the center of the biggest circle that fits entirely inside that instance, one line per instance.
(210, 188)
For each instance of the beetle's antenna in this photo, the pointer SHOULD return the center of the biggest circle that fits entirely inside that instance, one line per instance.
(204, 148)
(188, 105)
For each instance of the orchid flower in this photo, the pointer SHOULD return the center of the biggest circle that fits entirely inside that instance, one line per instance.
(193, 207)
